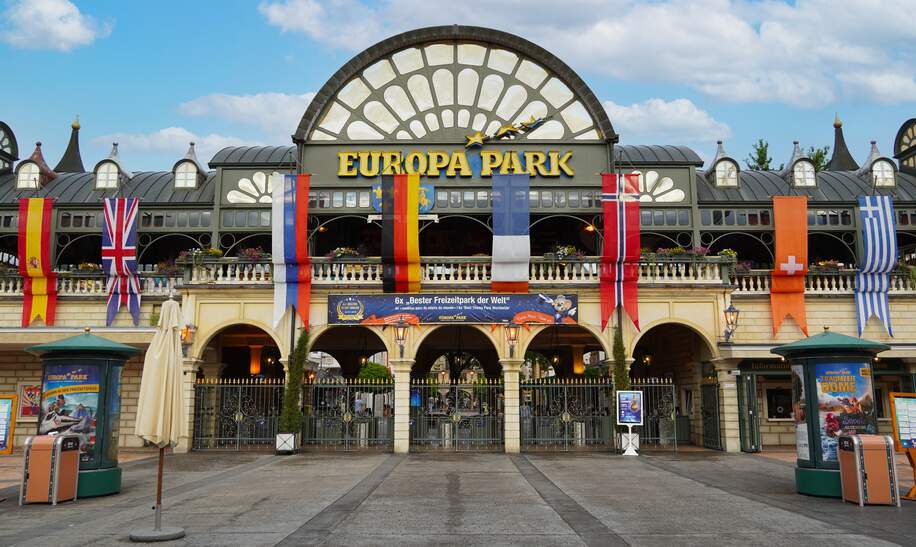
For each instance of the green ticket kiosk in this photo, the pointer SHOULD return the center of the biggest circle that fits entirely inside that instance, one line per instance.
(832, 396)
(81, 395)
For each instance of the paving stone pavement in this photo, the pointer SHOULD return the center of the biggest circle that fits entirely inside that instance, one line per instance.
(463, 499)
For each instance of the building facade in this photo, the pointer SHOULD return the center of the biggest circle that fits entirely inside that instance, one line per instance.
(456, 105)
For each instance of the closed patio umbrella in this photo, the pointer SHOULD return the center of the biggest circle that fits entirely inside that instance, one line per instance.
(161, 415)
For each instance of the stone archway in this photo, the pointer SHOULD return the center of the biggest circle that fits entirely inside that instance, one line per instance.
(568, 349)
(351, 346)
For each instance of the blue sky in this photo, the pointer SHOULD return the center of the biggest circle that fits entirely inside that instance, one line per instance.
(154, 75)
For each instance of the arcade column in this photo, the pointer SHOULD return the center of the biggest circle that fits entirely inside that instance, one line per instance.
(188, 380)
(401, 369)
(512, 438)
(729, 423)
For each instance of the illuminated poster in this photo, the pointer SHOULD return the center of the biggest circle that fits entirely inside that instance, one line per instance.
(29, 401)
(800, 412)
(69, 403)
(905, 414)
(629, 407)
(7, 406)
(845, 402)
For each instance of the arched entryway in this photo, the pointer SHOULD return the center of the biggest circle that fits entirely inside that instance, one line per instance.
(566, 396)
(672, 367)
(350, 347)
(456, 396)
(239, 390)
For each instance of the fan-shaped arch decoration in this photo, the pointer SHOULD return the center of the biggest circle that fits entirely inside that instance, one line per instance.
(9, 149)
(905, 146)
(436, 87)
(250, 190)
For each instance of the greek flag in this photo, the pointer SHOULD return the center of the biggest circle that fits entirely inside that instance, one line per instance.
(879, 242)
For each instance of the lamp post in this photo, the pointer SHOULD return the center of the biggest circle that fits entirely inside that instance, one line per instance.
(731, 321)
(512, 337)
(400, 335)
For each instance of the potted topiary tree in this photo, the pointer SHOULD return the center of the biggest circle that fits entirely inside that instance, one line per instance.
(290, 426)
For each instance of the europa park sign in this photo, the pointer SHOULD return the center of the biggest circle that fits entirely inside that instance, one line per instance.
(455, 163)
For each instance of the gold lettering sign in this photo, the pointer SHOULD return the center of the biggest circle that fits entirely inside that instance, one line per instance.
(432, 163)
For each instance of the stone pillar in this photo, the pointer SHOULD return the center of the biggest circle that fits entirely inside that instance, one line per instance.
(401, 370)
(512, 433)
(189, 379)
(729, 426)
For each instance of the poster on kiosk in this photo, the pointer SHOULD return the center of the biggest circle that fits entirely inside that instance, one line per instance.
(629, 413)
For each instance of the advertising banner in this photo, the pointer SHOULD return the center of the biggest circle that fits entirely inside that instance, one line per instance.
(69, 403)
(800, 413)
(629, 407)
(29, 401)
(452, 308)
(845, 402)
(7, 423)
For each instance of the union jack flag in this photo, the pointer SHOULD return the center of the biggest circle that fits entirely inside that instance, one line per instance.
(119, 256)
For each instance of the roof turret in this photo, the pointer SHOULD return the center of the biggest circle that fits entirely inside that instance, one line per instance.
(72, 162)
(841, 160)
(38, 158)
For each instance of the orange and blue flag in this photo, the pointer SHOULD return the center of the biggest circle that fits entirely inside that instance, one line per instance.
(39, 283)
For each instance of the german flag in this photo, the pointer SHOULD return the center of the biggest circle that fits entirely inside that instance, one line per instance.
(400, 233)
(39, 284)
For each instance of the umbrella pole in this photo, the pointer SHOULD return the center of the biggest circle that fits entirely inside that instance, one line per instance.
(159, 490)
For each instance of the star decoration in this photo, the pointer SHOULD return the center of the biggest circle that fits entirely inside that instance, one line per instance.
(506, 130)
(529, 123)
(477, 139)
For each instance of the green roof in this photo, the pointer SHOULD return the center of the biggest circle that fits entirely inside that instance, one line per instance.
(827, 342)
(85, 342)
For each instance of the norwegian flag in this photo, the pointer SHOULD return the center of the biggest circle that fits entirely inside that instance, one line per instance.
(119, 256)
(620, 253)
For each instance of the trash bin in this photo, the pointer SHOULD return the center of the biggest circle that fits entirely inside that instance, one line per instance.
(50, 469)
(868, 470)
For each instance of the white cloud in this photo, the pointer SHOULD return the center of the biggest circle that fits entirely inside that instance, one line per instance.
(278, 114)
(883, 86)
(172, 140)
(49, 24)
(657, 120)
(738, 50)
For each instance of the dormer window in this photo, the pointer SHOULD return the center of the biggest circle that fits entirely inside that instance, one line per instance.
(106, 175)
(726, 173)
(882, 173)
(803, 174)
(29, 176)
(186, 175)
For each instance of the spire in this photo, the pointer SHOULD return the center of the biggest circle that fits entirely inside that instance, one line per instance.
(873, 156)
(72, 162)
(38, 158)
(841, 160)
(115, 157)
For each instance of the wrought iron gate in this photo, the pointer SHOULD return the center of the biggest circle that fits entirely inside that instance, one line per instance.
(456, 416)
(659, 403)
(238, 414)
(348, 414)
(709, 405)
(567, 414)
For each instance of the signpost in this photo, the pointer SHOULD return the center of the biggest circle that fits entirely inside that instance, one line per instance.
(903, 417)
(629, 413)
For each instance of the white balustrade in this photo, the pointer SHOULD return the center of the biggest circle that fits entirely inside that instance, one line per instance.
(818, 283)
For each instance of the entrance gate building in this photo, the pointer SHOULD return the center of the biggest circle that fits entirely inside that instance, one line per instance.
(567, 414)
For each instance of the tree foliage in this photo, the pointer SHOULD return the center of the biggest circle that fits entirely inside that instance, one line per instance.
(819, 157)
(621, 374)
(759, 159)
(291, 414)
(374, 371)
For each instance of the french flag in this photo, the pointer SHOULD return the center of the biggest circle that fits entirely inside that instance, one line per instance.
(289, 230)
(511, 241)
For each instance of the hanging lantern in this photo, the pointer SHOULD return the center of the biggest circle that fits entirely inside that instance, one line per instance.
(254, 365)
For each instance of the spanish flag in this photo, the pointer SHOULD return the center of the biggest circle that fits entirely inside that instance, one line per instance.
(400, 233)
(39, 284)
(787, 290)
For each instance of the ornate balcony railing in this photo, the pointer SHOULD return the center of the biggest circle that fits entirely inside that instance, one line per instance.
(449, 272)
(818, 283)
(92, 284)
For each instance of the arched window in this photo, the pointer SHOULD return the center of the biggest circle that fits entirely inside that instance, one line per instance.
(186, 175)
(29, 175)
(106, 175)
(803, 174)
(726, 173)
(882, 173)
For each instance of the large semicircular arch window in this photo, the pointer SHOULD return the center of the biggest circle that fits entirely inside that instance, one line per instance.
(443, 92)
